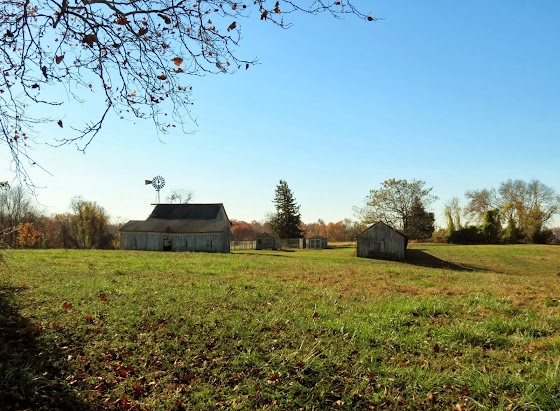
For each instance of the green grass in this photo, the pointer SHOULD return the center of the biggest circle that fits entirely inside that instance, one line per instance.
(477, 326)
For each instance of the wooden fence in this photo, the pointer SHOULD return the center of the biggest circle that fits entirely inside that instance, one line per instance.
(280, 243)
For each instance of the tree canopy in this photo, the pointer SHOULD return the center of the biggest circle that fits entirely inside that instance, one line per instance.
(136, 54)
(394, 202)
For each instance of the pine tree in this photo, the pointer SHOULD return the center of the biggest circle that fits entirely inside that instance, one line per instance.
(286, 222)
(419, 223)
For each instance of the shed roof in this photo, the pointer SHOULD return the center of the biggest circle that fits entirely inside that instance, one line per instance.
(387, 225)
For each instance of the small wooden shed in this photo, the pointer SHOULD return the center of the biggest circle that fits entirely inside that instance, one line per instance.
(317, 242)
(381, 241)
(180, 227)
(265, 241)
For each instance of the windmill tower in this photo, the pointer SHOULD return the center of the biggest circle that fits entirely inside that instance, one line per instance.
(157, 182)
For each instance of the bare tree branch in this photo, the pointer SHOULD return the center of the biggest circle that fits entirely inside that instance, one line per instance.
(137, 54)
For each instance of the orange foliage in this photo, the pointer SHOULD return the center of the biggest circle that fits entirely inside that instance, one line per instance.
(27, 234)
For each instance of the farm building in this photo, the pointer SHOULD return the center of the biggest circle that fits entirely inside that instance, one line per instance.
(266, 242)
(180, 227)
(381, 241)
(317, 242)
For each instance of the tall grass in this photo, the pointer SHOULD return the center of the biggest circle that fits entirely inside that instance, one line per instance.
(284, 330)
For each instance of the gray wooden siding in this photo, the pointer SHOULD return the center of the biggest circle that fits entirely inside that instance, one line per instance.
(208, 242)
(381, 241)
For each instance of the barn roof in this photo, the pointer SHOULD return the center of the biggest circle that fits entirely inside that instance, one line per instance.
(186, 211)
(181, 218)
(160, 225)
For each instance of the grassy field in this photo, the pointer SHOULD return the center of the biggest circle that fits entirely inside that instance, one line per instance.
(456, 327)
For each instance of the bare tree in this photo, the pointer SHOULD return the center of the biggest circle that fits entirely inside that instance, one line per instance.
(480, 201)
(180, 196)
(135, 55)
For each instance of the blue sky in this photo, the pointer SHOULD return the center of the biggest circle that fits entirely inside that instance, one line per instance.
(462, 95)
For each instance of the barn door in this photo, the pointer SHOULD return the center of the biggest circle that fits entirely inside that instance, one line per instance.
(167, 244)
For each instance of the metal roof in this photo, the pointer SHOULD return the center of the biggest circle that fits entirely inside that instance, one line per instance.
(181, 218)
(158, 225)
(186, 211)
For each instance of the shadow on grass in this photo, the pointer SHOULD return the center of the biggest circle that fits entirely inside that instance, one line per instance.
(28, 379)
(422, 259)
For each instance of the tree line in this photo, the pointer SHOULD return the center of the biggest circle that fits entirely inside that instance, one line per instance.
(515, 212)
(22, 224)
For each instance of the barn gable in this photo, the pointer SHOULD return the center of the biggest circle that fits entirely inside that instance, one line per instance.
(180, 227)
(381, 241)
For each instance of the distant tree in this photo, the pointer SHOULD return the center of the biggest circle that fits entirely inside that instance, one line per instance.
(180, 196)
(241, 230)
(526, 207)
(393, 202)
(556, 232)
(480, 201)
(90, 225)
(420, 223)
(286, 222)
(27, 235)
(16, 207)
(353, 228)
(336, 231)
(492, 227)
(455, 212)
(532, 205)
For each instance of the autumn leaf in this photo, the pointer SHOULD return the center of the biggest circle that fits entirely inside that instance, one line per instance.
(65, 305)
(264, 15)
(122, 20)
(370, 18)
(177, 60)
(102, 297)
(337, 3)
(165, 18)
(89, 39)
(436, 347)
(142, 31)
(277, 8)
(89, 319)
(232, 26)
(234, 6)
(35, 85)
(162, 77)
(58, 59)
(315, 314)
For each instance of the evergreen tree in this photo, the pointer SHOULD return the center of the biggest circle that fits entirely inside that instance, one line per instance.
(286, 222)
(420, 223)
(491, 227)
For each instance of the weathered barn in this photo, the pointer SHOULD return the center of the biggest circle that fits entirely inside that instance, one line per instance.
(381, 241)
(180, 227)
(317, 242)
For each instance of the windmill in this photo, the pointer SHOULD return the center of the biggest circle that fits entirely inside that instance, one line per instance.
(157, 182)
